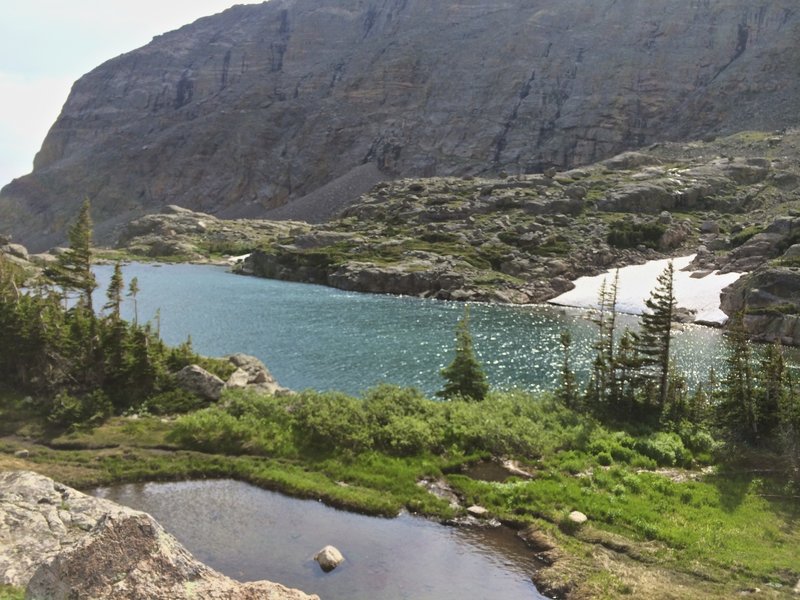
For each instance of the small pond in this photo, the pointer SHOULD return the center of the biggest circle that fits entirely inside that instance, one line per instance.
(251, 534)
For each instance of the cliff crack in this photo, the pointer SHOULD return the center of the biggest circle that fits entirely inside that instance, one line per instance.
(502, 141)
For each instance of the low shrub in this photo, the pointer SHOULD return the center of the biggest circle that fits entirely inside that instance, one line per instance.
(630, 234)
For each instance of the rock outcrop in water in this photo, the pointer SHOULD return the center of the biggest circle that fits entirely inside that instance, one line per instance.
(62, 544)
(302, 105)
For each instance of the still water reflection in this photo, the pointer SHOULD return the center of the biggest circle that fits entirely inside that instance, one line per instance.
(250, 534)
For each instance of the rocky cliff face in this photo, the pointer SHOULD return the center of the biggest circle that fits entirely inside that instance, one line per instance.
(305, 104)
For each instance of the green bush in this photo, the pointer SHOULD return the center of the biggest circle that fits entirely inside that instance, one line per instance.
(630, 234)
(90, 409)
(744, 235)
(666, 449)
(212, 430)
(173, 402)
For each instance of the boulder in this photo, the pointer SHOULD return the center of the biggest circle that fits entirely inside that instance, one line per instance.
(537, 540)
(22, 454)
(792, 252)
(770, 301)
(709, 227)
(62, 544)
(638, 198)
(197, 380)
(329, 558)
(238, 380)
(577, 517)
(478, 511)
(252, 373)
(17, 250)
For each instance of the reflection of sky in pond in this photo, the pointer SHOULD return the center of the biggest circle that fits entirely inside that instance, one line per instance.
(316, 337)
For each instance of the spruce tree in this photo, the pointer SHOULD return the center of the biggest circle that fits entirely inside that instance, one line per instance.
(464, 377)
(568, 392)
(133, 290)
(114, 293)
(655, 337)
(73, 271)
(739, 408)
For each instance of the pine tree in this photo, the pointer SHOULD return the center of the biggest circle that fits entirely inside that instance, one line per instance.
(626, 365)
(739, 408)
(133, 290)
(464, 376)
(114, 293)
(568, 392)
(73, 271)
(603, 389)
(115, 331)
(654, 339)
(771, 389)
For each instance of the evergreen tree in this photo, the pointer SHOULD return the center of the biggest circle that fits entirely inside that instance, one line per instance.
(771, 389)
(627, 364)
(133, 290)
(568, 392)
(603, 385)
(73, 271)
(739, 411)
(464, 376)
(115, 332)
(654, 339)
(114, 293)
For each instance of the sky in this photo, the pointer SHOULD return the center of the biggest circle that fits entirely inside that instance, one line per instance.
(46, 45)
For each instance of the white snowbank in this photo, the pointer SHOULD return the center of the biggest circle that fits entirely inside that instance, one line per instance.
(637, 281)
(235, 260)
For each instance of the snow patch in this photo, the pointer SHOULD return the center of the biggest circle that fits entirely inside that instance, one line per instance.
(637, 281)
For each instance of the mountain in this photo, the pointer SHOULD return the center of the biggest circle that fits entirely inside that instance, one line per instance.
(293, 108)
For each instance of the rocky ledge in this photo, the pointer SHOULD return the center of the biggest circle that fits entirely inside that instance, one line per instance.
(61, 544)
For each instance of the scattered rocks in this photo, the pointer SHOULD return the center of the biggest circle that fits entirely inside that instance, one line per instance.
(440, 489)
(197, 380)
(329, 558)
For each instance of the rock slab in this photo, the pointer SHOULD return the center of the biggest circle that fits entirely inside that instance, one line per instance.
(62, 544)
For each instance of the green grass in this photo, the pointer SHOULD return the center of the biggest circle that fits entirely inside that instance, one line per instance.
(368, 454)
(9, 592)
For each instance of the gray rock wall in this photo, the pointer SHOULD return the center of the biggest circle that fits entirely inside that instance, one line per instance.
(263, 105)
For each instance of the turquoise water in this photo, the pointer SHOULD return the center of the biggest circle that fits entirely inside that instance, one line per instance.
(321, 338)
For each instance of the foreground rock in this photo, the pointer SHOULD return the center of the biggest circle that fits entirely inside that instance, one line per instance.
(62, 544)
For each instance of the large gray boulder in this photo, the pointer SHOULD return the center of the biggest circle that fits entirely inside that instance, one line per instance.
(62, 544)
(251, 373)
(197, 380)
(770, 301)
